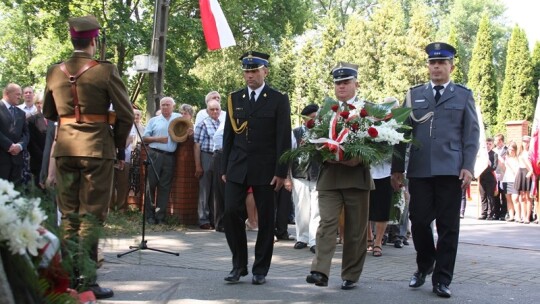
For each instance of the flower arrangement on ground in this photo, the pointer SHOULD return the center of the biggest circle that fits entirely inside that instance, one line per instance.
(29, 254)
(343, 131)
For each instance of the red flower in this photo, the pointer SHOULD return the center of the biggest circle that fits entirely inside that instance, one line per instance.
(363, 113)
(310, 124)
(351, 106)
(355, 126)
(372, 132)
(344, 114)
(335, 107)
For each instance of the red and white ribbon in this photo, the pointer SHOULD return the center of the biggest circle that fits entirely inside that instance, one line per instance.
(334, 141)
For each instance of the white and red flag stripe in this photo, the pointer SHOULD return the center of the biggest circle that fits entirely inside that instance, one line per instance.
(216, 30)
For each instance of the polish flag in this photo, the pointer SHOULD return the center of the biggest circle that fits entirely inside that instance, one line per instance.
(216, 30)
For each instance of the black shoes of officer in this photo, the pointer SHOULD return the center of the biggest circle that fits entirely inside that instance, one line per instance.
(419, 278)
(300, 245)
(101, 292)
(235, 274)
(258, 279)
(442, 290)
(347, 285)
(313, 249)
(317, 278)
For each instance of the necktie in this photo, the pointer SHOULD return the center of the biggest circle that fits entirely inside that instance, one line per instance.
(438, 89)
(252, 96)
(12, 111)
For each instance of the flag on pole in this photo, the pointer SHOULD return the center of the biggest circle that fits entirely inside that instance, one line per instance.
(482, 157)
(534, 147)
(216, 30)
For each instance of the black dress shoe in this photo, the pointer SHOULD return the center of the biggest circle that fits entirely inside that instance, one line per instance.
(419, 278)
(258, 279)
(442, 290)
(235, 274)
(300, 245)
(346, 285)
(313, 249)
(317, 278)
(101, 292)
(482, 218)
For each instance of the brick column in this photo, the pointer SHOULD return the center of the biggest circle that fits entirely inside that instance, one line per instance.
(515, 130)
(183, 202)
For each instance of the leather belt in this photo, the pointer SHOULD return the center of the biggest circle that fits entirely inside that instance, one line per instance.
(85, 118)
(161, 151)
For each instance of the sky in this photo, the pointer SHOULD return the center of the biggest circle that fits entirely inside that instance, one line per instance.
(525, 14)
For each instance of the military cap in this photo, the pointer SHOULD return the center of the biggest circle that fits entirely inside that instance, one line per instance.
(84, 27)
(440, 50)
(252, 60)
(344, 71)
(526, 138)
(312, 108)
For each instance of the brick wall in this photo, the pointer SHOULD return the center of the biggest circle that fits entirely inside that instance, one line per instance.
(515, 131)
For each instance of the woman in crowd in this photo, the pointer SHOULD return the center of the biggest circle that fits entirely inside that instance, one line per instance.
(511, 167)
(523, 180)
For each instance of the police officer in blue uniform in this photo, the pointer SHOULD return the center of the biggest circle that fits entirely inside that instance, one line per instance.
(445, 126)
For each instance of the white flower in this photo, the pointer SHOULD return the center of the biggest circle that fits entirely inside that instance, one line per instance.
(20, 219)
(24, 236)
(7, 188)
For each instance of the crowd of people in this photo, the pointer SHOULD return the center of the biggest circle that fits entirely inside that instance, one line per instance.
(72, 143)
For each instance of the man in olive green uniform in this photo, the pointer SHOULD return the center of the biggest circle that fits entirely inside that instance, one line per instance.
(343, 185)
(87, 140)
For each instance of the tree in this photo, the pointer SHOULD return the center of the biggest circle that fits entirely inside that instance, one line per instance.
(536, 67)
(465, 16)
(419, 33)
(482, 74)
(283, 66)
(516, 101)
(457, 74)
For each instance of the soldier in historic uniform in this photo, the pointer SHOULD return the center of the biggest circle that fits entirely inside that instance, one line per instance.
(257, 132)
(445, 129)
(343, 185)
(78, 95)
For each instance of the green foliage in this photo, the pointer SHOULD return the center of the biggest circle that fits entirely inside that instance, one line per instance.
(457, 74)
(482, 75)
(516, 101)
(536, 67)
(465, 16)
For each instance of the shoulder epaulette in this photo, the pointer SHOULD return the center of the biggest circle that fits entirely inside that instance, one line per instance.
(460, 85)
(104, 61)
(416, 86)
(237, 91)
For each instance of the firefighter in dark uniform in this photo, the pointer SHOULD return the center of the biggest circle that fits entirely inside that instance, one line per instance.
(257, 132)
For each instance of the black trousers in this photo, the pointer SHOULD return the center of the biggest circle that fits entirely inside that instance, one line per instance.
(219, 191)
(235, 228)
(488, 184)
(283, 210)
(435, 198)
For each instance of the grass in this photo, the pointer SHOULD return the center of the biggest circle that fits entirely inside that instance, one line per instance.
(129, 223)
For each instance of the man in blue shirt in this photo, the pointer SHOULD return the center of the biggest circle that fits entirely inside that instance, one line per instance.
(161, 151)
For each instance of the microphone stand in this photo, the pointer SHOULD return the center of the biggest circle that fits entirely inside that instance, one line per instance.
(142, 245)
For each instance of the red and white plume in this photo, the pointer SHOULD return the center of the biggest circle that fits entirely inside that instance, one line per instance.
(216, 30)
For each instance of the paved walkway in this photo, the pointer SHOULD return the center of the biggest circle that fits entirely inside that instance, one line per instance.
(497, 262)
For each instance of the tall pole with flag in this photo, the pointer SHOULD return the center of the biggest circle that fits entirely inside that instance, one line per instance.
(534, 147)
(216, 30)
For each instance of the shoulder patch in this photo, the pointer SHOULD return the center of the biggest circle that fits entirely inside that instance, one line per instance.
(104, 61)
(462, 86)
(416, 86)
